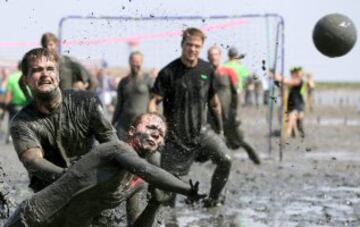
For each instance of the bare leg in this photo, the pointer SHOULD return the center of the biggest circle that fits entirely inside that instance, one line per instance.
(292, 123)
(300, 125)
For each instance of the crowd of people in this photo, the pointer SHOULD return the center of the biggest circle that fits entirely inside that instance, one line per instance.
(81, 161)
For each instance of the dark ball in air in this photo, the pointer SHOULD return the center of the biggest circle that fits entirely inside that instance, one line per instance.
(334, 35)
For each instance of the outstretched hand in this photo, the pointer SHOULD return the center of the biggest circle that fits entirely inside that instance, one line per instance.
(194, 195)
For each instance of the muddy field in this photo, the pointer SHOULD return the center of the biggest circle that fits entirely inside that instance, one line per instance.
(316, 184)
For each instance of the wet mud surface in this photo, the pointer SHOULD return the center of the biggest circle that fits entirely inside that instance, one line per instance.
(316, 183)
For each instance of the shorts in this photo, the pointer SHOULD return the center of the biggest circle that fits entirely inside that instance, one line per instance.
(177, 158)
(295, 109)
(295, 106)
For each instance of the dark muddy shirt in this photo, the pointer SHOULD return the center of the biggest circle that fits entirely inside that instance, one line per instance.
(186, 93)
(295, 100)
(133, 98)
(66, 133)
(71, 71)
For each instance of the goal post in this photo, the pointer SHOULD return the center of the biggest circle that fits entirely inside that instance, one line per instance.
(260, 36)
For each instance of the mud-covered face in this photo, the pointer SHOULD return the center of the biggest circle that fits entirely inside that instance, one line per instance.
(214, 57)
(191, 48)
(43, 76)
(149, 135)
(136, 62)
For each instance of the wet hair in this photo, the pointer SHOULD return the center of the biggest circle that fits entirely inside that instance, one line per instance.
(192, 32)
(214, 47)
(36, 54)
(139, 118)
(132, 54)
(296, 69)
(48, 37)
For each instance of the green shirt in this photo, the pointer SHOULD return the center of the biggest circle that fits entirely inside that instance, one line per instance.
(241, 71)
(18, 97)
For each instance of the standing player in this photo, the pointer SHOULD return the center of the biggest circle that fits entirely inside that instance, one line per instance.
(240, 69)
(295, 102)
(227, 90)
(133, 95)
(186, 88)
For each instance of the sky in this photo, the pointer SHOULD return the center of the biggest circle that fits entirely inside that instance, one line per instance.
(26, 21)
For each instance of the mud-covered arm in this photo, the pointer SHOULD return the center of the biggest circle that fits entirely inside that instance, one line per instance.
(119, 103)
(286, 81)
(215, 105)
(215, 109)
(158, 91)
(156, 176)
(137, 215)
(36, 165)
(30, 152)
(135, 204)
(147, 216)
(234, 98)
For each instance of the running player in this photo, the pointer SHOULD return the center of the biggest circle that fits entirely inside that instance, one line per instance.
(241, 70)
(186, 88)
(227, 90)
(133, 95)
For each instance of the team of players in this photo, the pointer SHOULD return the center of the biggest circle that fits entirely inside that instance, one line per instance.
(74, 155)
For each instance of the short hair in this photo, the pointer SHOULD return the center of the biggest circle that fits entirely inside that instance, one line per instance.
(133, 53)
(139, 118)
(296, 69)
(35, 54)
(214, 47)
(192, 32)
(48, 37)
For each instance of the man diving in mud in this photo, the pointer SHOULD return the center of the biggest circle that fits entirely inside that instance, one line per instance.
(227, 89)
(56, 129)
(186, 88)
